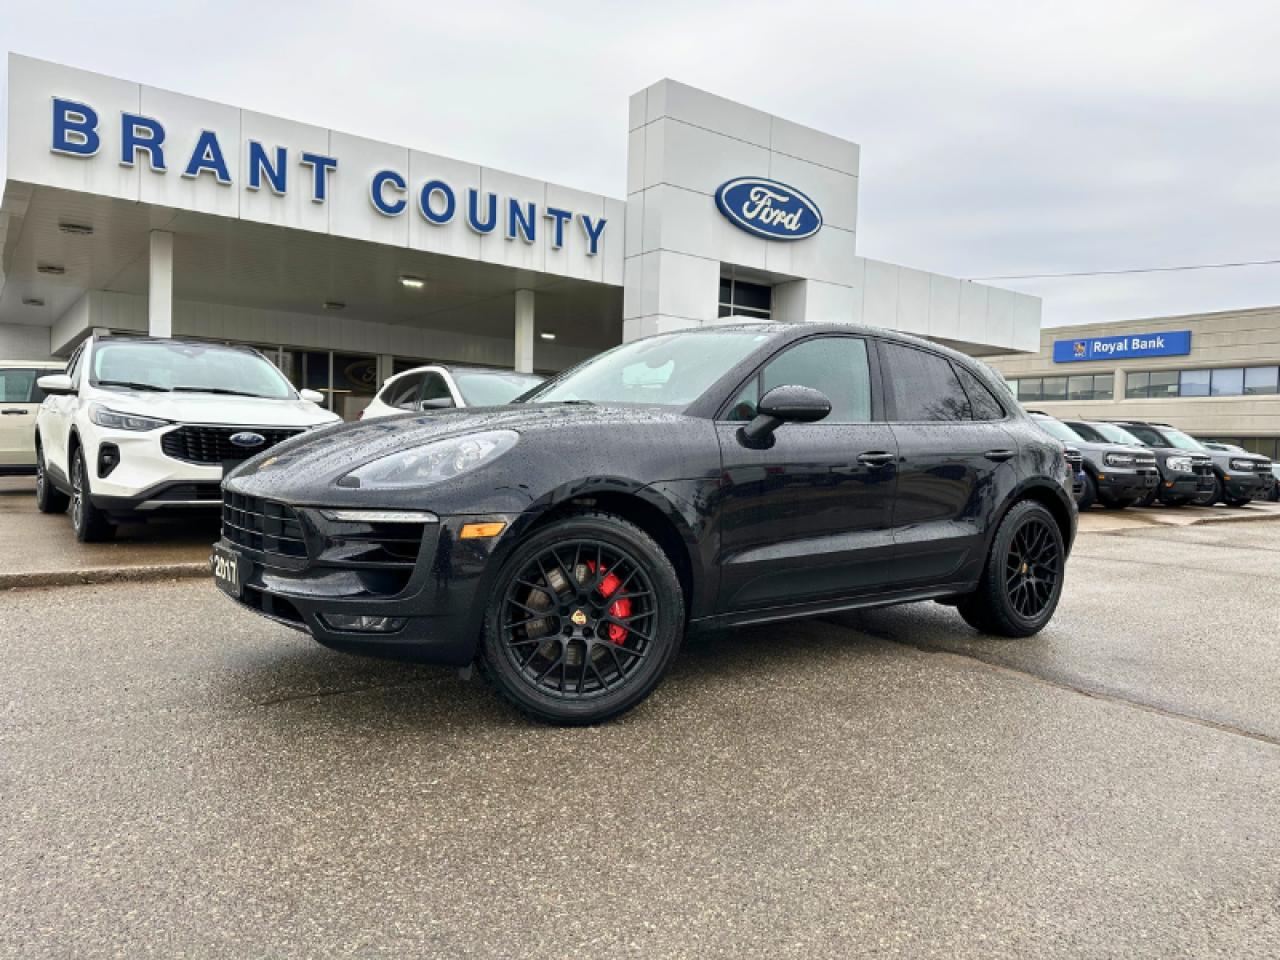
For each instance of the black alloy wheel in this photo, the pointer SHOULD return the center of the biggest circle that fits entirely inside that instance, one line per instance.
(49, 499)
(586, 616)
(89, 523)
(1209, 497)
(1089, 494)
(1033, 567)
(1022, 581)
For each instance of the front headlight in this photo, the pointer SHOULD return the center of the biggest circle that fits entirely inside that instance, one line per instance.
(1245, 465)
(1179, 464)
(432, 463)
(115, 420)
(1120, 459)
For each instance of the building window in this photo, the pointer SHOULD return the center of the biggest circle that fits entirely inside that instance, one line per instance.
(1261, 380)
(1137, 385)
(1054, 388)
(1194, 383)
(1164, 384)
(741, 299)
(1227, 382)
(1091, 386)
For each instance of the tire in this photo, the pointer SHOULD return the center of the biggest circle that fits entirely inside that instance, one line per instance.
(89, 523)
(1239, 501)
(1089, 495)
(1119, 503)
(1209, 498)
(557, 642)
(1022, 580)
(49, 499)
(1148, 499)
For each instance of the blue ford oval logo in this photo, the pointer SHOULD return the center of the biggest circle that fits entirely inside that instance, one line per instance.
(248, 439)
(768, 209)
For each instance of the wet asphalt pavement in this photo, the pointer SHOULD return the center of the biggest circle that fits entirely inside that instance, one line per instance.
(180, 778)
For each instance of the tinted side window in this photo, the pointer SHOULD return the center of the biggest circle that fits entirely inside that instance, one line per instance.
(1086, 431)
(983, 402)
(73, 367)
(404, 392)
(922, 386)
(436, 389)
(837, 366)
(19, 386)
(1148, 436)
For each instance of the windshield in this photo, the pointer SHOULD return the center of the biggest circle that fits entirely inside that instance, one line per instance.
(1116, 434)
(491, 388)
(186, 368)
(671, 370)
(1181, 440)
(1058, 430)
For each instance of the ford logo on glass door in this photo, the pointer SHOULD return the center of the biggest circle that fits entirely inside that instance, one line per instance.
(768, 209)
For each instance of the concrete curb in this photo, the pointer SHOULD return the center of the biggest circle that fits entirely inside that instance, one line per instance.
(93, 575)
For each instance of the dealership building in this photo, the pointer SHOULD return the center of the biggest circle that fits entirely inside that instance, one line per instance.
(1213, 375)
(134, 209)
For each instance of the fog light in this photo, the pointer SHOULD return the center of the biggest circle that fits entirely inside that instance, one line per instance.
(108, 459)
(362, 624)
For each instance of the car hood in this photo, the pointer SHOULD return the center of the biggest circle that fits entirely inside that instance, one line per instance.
(216, 408)
(328, 454)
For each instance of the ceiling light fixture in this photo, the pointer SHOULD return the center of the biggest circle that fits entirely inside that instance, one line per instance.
(53, 269)
(334, 305)
(79, 229)
(413, 283)
(32, 302)
(547, 335)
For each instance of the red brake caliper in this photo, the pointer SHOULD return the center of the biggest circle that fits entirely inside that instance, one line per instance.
(619, 609)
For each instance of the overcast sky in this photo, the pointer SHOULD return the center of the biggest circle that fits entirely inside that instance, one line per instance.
(997, 138)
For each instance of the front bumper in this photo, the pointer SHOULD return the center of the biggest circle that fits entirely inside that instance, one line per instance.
(1122, 483)
(424, 577)
(1247, 486)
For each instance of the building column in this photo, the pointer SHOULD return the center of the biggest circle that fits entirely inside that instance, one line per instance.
(524, 331)
(1119, 383)
(160, 290)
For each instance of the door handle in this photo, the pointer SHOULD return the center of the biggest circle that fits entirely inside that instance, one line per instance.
(999, 456)
(876, 458)
(13, 413)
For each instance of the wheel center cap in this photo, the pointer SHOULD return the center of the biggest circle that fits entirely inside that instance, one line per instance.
(1025, 569)
(579, 618)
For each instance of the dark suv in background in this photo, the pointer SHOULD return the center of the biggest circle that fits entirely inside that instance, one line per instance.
(1115, 475)
(1240, 476)
(1186, 469)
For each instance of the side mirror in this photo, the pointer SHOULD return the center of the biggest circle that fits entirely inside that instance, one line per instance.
(313, 396)
(437, 403)
(56, 385)
(785, 404)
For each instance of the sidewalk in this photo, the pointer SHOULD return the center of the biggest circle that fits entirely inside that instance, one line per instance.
(1101, 520)
(40, 550)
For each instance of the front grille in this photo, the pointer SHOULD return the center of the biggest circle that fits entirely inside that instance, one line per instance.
(188, 492)
(262, 525)
(1202, 467)
(1075, 459)
(197, 444)
(1263, 467)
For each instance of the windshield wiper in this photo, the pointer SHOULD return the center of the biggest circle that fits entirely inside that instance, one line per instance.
(132, 385)
(222, 390)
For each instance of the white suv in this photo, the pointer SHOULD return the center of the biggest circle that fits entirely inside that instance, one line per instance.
(137, 426)
(439, 388)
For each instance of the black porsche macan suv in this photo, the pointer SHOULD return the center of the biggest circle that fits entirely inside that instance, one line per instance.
(701, 479)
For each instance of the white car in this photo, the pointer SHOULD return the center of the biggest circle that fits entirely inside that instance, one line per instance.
(139, 426)
(438, 387)
(19, 400)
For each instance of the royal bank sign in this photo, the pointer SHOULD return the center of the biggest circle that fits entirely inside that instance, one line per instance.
(1169, 343)
(76, 131)
(769, 209)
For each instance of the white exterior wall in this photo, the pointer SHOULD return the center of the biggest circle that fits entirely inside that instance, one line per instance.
(346, 212)
(684, 143)
(19, 342)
